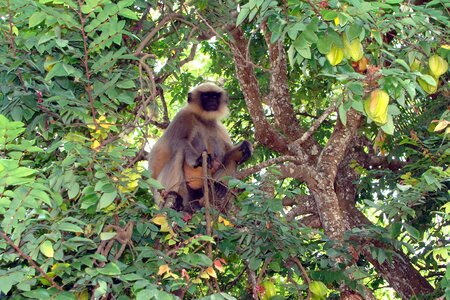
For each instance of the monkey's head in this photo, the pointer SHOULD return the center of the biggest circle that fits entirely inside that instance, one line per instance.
(208, 101)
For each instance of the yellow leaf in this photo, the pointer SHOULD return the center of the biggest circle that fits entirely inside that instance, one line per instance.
(336, 21)
(160, 219)
(103, 123)
(204, 275)
(196, 281)
(441, 125)
(211, 272)
(445, 46)
(165, 228)
(224, 221)
(163, 269)
(95, 145)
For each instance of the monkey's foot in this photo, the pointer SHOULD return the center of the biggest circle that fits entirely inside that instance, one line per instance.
(172, 200)
(247, 149)
(199, 161)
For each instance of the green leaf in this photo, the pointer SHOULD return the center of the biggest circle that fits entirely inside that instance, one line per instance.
(128, 13)
(127, 84)
(154, 183)
(36, 19)
(243, 14)
(310, 36)
(428, 79)
(106, 199)
(254, 263)
(305, 52)
(46, 248)
(197, 259)
(57, 70)
(105, 236)
(413, 232)
(381, 256)
(69, 227)
(353, 32)
(323, 45)
(378, 37)
(131, 277)
(395, 230)
(389, 127)
(38, 294)
(110, 269)
(328, 15)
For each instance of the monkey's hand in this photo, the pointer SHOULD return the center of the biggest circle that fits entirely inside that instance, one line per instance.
(246, 150)
(199, 161)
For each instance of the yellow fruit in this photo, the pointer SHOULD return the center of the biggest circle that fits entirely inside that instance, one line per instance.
(428, 88)
(353, 49)
(336, 55)
(269, 290)
(376, 106)
(438, 65)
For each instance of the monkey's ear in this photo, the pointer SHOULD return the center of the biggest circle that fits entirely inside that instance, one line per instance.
(189, 97)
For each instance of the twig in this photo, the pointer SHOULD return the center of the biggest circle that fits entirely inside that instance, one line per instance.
(85, 60)
(247, 172)
(263, 269)
(155, 30)
(206, 198)
(304, 273)
(30, 261)
(12, 45)
(332, 108)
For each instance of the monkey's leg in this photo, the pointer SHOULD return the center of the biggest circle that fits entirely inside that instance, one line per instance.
(236, 156)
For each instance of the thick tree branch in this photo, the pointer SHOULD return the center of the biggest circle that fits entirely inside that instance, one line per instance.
(250, 88)
(334, 151)
(279, 96)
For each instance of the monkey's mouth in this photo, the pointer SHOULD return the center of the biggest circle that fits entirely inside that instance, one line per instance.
(210, 105)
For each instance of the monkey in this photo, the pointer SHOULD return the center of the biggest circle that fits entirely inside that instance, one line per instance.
(175, 160)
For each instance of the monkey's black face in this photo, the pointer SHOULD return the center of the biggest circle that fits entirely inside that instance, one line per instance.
(210, 100)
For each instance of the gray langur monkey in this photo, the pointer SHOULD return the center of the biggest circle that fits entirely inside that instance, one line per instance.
(176, 158)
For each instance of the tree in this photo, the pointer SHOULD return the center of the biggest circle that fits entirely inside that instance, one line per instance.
(348, 188)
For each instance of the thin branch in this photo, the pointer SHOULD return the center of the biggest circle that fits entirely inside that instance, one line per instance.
(12, 45)
(206, 198)
(30, 261)
(304, 273)
(332, 108)
(155, 30)
(263, 269)
(247, 172)
(85, 61)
